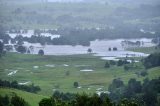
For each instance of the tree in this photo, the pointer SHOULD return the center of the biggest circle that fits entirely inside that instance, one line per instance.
(89, 50)
(75, 84)
(18, 101)
(152, 60)
(109, 49)
(47, 102)
(115, 49)
(21, 49)
(41, 52)
(119, 63)
(107, 65)
(4, 101)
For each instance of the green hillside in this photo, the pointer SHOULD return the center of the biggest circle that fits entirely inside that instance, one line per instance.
(32, 99)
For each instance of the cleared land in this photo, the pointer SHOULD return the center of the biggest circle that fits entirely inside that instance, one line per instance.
(60, 72)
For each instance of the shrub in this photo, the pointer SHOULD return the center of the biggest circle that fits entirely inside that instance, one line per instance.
(107, 65)
(75, 84)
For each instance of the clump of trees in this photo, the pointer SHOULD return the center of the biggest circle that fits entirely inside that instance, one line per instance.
(152, 60)
(145, 93)
(21, 49)
(118, 63)
(122, 62)
(14, 84)
(13, 101)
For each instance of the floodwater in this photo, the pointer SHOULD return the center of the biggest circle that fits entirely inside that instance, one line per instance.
(99, 47)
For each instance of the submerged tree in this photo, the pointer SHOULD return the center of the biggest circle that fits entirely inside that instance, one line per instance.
(89, 50)
(21, 49)
(41, 52)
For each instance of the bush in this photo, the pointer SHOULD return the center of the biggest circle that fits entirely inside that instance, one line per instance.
(75, 84)
(107, 65)
(47, 102)
(119, 63)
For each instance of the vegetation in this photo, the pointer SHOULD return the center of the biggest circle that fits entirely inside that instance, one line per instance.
(85, 100)
(32, 99)
(147, 93)
(15, 101)
(14, 84)
(51, 72)
(76, 85)
(78, 24)
(152, 60)
(41, 52)
(21, 49)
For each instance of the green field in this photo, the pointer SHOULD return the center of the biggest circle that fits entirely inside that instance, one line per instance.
(30, 98)
(55, 78)
(147, 50)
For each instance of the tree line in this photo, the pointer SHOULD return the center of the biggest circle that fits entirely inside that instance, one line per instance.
(74, 36)
(85, 100)
(14, 84)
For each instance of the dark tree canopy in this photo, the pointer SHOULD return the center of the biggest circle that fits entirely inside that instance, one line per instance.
(41, 52)
(21, 49)
(75, 84)
(152, 60)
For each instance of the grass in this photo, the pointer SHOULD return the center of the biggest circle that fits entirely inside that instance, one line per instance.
(148, 50)
(55, 78)
(32, 99)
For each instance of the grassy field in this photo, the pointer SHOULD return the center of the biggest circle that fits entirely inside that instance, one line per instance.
(65, 72)
(30, 98)
(148, 50)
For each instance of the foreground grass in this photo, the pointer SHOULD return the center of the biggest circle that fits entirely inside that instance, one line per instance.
(56, 78)
(32, 99)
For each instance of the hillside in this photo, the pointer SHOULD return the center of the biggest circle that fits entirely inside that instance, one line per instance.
(32, 99)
